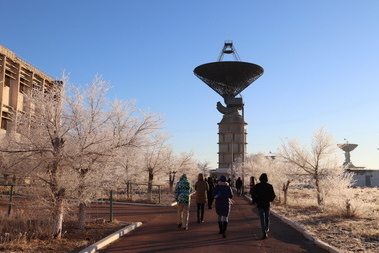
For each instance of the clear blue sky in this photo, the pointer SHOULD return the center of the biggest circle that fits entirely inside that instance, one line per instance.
(321, 61)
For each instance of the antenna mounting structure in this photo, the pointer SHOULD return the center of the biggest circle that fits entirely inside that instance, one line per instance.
(229, 49)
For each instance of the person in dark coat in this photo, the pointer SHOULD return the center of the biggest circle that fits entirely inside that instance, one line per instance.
(230, 182)
(239, 186)
(210, 192)
(201, 187)
(223, 195)
(263, 194)
(251, 186)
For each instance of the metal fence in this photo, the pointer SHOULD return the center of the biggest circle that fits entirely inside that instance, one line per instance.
(128, 192)
(134, 192)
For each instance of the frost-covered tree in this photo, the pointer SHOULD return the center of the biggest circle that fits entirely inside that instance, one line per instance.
(204, 167)
(254, 165)
(101, 128)
(176, 164)
(37, 148)
(153, 158)
(283, 175)
(128, 160)
(70, 138)
(315, 161)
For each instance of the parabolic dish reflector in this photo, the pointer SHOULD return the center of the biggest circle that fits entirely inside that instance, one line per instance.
(228, 78)
(347, 147)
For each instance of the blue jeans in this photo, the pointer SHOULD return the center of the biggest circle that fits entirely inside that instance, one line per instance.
(264, 214)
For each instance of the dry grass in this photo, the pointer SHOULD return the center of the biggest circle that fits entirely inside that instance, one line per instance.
(28, 231)
(73, 239)
(355, 233)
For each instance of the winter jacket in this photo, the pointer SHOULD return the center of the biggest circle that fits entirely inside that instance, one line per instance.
(183, 190)
(222, 194)
(263, 194)
(201, 188)
(239, 183)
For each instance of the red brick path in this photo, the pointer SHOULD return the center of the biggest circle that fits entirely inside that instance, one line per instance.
(160, 234)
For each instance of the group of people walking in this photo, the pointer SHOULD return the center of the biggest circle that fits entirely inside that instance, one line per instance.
(221, 194)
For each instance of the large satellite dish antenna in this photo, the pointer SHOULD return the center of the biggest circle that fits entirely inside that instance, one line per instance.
(228, 78)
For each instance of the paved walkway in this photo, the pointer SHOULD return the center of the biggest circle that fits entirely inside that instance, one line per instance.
(160, 234)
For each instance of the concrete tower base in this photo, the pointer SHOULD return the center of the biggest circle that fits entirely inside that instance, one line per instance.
(232, 145)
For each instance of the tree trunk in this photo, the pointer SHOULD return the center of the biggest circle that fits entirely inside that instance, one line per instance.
(172, 180)
(285, 191)
(320, 199)
(150, 185)
(82, 206)
(58, 212)
(58, 193)
(82, 216)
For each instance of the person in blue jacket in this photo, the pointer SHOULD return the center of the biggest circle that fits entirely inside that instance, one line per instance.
(182, 196)
(223, 195)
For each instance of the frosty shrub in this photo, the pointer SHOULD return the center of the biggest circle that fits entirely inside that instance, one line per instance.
(350, 208)
(340, 197)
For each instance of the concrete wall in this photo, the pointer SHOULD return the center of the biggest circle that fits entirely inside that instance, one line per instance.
(17, 79)
(366, 178)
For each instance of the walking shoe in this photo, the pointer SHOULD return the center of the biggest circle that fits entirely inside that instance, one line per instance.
(264, 237)
(220, 227)
(224, 227)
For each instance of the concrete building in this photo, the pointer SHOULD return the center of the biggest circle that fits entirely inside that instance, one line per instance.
(17, 79)
(365, 177)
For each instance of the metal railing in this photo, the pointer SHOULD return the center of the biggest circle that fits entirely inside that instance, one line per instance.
(129, 192)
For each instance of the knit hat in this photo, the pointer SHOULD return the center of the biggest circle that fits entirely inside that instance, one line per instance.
(222, 178)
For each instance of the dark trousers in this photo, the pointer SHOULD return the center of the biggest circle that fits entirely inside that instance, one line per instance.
(239, 191)
(264, 215)
(200, 212)
(210, 200)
